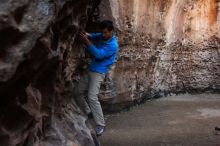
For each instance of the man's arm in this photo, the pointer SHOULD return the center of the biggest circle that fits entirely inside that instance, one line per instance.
(98, 53)
(101, 52)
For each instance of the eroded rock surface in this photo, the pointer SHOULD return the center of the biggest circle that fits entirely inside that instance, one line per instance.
(38, 57)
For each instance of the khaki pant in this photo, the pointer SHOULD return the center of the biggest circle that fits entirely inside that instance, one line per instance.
(86, 95)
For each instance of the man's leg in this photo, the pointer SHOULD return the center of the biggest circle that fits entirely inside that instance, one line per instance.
(95, 80)
(80, 93)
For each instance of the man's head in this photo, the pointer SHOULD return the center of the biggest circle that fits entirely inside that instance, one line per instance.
(107, 29)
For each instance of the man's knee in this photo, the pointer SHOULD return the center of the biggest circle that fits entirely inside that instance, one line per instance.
(93, 98)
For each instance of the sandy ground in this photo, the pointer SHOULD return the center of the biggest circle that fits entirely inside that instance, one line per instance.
(184, 120)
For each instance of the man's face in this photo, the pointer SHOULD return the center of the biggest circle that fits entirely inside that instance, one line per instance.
(106, 34)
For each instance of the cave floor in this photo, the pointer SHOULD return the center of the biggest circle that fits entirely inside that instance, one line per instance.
(183, 120)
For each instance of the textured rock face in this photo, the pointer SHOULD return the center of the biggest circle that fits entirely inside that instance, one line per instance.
(38, 59)
(165, 46)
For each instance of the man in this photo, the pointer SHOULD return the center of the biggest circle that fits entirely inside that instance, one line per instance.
(103, 53)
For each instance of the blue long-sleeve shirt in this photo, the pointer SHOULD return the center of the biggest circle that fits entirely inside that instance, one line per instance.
(103, 52)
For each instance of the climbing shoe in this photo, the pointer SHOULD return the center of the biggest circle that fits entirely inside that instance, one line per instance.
(99, 130)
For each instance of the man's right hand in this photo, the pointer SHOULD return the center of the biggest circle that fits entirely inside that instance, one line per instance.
(86, 34)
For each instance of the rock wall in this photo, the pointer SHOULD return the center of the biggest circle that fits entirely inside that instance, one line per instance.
(165, 46)
(39, 56)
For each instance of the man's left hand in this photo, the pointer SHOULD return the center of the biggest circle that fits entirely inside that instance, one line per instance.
(84, 39)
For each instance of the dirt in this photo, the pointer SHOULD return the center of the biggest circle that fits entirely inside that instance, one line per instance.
(183, 120)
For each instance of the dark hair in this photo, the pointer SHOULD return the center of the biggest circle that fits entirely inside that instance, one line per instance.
(107, 24)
